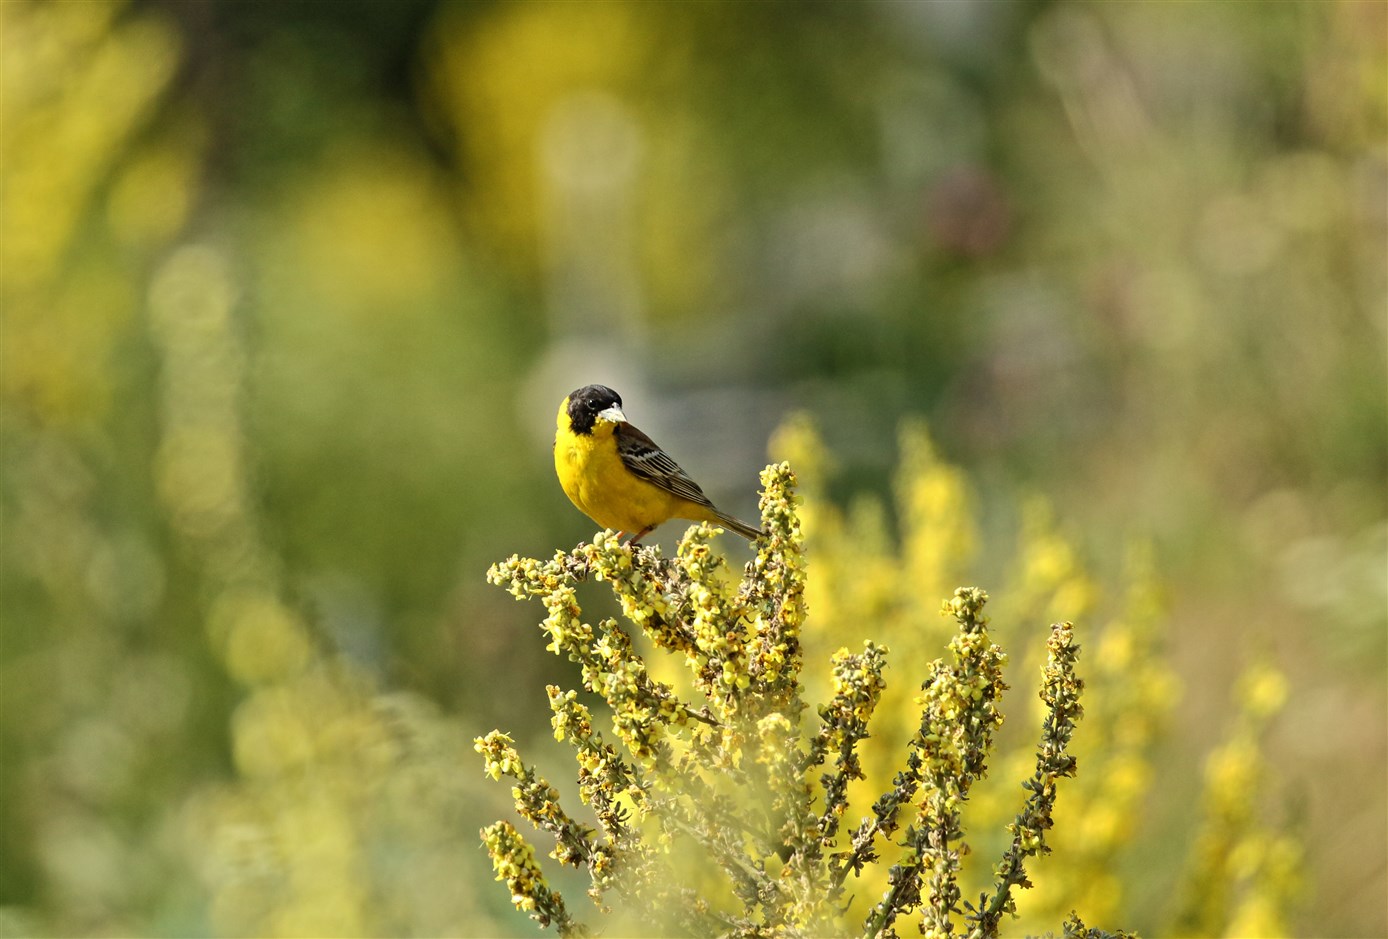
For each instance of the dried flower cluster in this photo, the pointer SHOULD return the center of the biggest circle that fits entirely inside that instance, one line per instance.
(720, 807)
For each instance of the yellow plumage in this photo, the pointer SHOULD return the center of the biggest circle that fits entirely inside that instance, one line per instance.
(617, 476)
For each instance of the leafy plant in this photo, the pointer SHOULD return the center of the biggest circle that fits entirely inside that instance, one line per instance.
(720, 810)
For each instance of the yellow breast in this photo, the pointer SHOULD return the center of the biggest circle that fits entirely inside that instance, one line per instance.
(593, 477)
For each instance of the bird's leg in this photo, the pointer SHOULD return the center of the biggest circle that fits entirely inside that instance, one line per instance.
(640, 534)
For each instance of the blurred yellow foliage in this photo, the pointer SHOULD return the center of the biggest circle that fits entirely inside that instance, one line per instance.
(861, 586)
(508, 81)
(77, 87)
(1243, 876)
(152, 197)
(370, 235)
(260, 639)
(317, 751)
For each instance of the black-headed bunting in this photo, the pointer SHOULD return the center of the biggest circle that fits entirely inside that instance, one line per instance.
(618, 476)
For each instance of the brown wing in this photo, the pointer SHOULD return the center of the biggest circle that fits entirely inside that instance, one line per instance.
(640, 454)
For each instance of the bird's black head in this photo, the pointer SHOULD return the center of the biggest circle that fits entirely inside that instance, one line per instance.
(587, 403)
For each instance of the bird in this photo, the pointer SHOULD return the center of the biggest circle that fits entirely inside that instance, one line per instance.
(619, 477)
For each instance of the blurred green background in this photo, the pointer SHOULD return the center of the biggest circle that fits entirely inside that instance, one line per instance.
(291, 291)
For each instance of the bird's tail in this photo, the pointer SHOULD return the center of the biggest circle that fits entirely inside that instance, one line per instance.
(742, 528)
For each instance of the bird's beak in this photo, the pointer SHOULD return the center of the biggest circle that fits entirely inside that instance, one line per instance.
(613, 414)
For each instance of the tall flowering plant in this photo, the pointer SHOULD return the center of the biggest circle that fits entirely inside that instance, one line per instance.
(720, 809)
